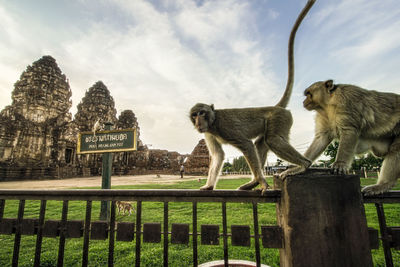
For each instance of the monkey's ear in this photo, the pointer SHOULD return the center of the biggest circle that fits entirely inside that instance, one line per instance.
(211, 115)
(330, 86)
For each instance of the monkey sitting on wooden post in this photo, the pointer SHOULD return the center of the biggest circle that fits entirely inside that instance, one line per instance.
(270, 127)
(362, 120)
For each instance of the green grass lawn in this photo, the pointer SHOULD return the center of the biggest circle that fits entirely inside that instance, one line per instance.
(152, 254)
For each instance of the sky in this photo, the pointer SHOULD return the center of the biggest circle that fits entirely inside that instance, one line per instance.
(160, 57)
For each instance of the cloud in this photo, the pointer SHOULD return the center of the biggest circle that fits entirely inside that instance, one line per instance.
(158, 58)
(9, 28)
(160, 64)
(374, 44)
(362, 25)
(213, 23)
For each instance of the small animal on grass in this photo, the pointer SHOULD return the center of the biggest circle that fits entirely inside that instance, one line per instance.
(362, 120)
(124, 206)
(269, 126)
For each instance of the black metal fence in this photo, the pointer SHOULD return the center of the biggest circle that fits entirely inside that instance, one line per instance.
(390, 235)
(125, 231)
(268, 237)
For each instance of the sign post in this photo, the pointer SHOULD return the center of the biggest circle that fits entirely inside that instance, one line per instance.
(106, 142)
(106, 180)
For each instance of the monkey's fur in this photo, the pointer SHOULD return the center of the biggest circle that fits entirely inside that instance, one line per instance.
(269, 126)
(362, 120)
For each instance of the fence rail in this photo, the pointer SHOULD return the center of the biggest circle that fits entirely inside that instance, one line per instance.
(240, 235)
(187, 195)
(388, 197)
(125, 231)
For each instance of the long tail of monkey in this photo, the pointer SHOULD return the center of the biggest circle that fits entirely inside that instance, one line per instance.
(289, 85)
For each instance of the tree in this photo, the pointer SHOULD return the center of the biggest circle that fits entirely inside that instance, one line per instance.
(240, 165)
(368, 160)
(227, 167)
(331, 151)
(279, 162)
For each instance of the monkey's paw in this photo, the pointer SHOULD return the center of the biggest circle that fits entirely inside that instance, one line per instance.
(250, 185)
(377, 189)
(291, 171)
(207, 187)
(264, 189)
(339, 167)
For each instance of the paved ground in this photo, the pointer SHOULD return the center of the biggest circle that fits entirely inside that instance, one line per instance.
(96, 181)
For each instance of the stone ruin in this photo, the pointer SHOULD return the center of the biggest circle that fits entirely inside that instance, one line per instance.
(38, 136)
(35, 128)
(96, 105)
(199, 159)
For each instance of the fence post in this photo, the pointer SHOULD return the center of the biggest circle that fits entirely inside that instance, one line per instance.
(323, 220)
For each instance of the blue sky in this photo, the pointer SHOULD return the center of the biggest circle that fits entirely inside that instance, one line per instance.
(159, 58)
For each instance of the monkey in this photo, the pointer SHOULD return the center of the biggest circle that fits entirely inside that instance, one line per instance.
(268, 126)
(362, 120)
(124, 206)
(96, 127)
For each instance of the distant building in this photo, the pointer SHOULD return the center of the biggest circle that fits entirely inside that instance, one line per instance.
(38, 136)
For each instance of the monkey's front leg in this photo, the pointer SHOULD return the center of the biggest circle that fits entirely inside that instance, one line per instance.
(217, 157)
(347, 145)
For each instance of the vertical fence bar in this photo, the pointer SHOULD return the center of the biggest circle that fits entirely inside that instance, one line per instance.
(384, 234)
(112, 236)
(165, 234)
(225, 233)
(138, 232)
(256, 235)
(85, 253)
(17, 240)
(2, 205)
(39, 237)
(63, 229)
(194, 236)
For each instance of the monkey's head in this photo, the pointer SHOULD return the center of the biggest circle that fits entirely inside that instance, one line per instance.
(202, 116)
(318, 95)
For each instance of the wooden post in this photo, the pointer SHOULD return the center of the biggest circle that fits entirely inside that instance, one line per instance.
(106, 180)
(323, 220)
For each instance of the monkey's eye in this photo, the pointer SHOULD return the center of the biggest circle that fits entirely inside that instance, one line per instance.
(307, 93)
(193, 115)
(202, 113)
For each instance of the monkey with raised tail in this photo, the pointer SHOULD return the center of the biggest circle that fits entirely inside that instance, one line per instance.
(362, 120)
(269, 126)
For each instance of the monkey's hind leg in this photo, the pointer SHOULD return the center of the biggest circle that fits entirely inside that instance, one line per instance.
(285, 151)
(262, 150)
(252, 158)
(291, 171)
(250, 185)
(390, 171)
